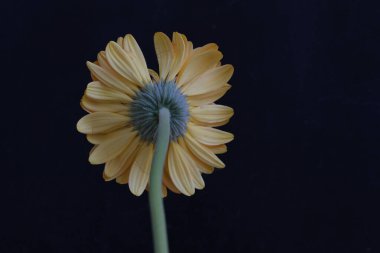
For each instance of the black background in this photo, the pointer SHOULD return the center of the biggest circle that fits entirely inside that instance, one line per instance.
(302, 173)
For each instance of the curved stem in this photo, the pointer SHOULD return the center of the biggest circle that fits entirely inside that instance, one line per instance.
(157, 212)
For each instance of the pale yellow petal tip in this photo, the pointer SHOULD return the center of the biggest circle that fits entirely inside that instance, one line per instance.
(135, 191)
(177, 34)
(189, 194)
(107, 178)
(81, 127)
(89, 64)
(201, 187)
(159, 34)
(112, 44)
(221, 166)
(230, 67)
(93, 159)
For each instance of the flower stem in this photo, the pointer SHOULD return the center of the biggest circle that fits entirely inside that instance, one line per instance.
(157, 213)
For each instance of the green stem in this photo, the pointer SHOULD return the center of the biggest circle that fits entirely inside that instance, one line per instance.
(157, 213)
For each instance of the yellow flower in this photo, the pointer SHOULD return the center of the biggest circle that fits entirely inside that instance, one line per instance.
(123, 102)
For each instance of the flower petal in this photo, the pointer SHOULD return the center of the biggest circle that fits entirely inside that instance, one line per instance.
(193, 167)
(212, 115)
(167, 180)
(104, 63)
(130, 45)
(96, 90)
(204, 168)
(179, 169)
(164, 191)
(139, 175)
(109, 79)
(100, 138)
(112, 147)
(189, 49)
(179, 46)
(219, 149)
(164, 52)
(101, 122)
(209, 97)
(202, 153)
(124, 64)
(201, 166)
(197, 65)
(118, 165)
(209, 136)
(205, 48)
(119, 41)
(95, 138)
(154, 75)
(211, 80)
(93, 105)
(123, 178)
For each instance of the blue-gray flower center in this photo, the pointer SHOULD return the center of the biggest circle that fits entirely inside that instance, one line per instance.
(148, 101)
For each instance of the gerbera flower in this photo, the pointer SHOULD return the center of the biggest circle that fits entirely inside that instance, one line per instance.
(125, 96)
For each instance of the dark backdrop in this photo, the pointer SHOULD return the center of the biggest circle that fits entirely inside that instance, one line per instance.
(302, 173)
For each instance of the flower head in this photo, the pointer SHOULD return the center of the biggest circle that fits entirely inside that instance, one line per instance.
(125, 96)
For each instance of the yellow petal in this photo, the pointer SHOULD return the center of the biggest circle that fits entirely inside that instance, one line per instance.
(211, 80)
(205, 48)
(95, 138)
(124, 63)
(101, 122)
(179, 169)
(212, 115)
(197, 65)
(109, 79)
(131, 45)
(103, 62)
(219, 149)
(120, 41)
(111, 148)
(100, 138)
(209, 97)
(164, 52)
(179, 46)
(93, 105)
(192, 120)
(209, 136)
(154, 75)
(202, 153)
(123, 178)
(164, 191)
(139, 175)
(167, 180)
(112, 170)
(96, 90)
(122, 162)
(201, 166)
(193, 168)
(189, 49)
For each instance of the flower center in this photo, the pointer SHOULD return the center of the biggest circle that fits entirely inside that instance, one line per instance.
(147, 103)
